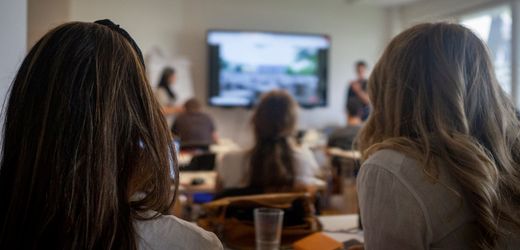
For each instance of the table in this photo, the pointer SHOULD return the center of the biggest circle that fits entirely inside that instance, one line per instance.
(341, 227)
(208, 186)
(351, 154)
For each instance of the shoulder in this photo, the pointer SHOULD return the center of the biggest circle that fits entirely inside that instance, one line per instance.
(159, 91)
(304, 155)
(182, 116)
(235, 155)
(169, 232)
(233, 161)
(301, 151)
(389, 164)
(394, 167)
(162, 96)
(394, 162)
(439, 199)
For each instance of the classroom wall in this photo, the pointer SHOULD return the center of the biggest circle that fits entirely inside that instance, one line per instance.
(13, 37)
(44, 15)
(178, 27)
(424, 11)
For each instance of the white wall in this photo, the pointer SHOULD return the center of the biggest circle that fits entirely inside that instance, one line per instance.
(178, 27)
(425, 11)
(13, 37)
(44, 15)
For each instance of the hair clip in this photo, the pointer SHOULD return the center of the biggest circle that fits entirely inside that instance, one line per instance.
(116, 27)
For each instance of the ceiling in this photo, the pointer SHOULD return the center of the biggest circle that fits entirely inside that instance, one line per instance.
(386, 3)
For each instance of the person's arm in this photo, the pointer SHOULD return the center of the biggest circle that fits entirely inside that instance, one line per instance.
(164, 101)
(360, 93)
(172, 110)
(391, 215)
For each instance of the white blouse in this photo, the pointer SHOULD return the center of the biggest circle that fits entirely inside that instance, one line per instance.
(165, 100)
(233, 168)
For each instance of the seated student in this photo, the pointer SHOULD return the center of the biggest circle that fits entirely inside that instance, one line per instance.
(86, 150)
(275, 163)
(344, 137)
(193, 126)
(443, 147)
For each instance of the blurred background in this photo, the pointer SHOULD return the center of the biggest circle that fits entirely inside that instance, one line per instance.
(175, 31)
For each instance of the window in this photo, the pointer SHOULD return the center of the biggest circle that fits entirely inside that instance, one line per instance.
(494, 26)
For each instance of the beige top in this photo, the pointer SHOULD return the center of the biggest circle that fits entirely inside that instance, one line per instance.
(165, 101)
(168, 232)
(403, 209)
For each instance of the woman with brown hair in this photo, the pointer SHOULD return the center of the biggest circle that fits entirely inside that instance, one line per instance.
(275, 163)
(86, 151)
(443, 147)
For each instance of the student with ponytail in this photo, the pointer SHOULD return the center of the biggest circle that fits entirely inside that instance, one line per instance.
(275, 163)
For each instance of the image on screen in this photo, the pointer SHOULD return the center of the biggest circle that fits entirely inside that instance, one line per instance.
(243, 65)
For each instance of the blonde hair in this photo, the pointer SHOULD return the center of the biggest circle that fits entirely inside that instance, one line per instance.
(435, 97)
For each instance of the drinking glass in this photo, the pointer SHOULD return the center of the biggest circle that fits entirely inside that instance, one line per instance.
(268, 228)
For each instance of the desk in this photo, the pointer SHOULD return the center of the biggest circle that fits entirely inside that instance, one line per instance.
(337, 227)
(208, 186)
(351, 154)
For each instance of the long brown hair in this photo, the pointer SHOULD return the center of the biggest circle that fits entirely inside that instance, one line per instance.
(271, 162)
(435, 97)
(164, 81)
(82, 132)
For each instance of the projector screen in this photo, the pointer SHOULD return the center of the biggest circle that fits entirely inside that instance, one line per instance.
(245, 64)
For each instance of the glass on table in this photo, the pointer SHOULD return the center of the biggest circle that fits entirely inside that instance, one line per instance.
(268, 228)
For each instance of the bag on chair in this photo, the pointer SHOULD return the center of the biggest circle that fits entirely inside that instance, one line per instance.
(232, 218)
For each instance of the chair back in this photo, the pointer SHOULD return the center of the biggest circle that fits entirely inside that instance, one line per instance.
(232, 218)
(201, 162)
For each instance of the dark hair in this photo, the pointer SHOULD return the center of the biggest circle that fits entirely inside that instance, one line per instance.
(192, 105)
(354, 107)
(435, 97)
(361, 63)
(164, 82)
(82, 132)
(272, 164)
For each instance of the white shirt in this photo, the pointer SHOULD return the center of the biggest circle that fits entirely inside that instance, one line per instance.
(165, 100)
(170, 232)
(233, 168)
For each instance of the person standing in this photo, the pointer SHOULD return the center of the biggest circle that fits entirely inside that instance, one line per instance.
(166, 97)
(357, 91)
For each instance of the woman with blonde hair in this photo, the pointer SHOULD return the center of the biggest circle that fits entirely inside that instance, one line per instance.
(442, 147)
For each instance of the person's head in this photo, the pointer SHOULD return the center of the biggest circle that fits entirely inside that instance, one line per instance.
(192, 105)
(435, 97)
(82, 133)
(361, 69)
(354, 108)
(168, 78)
(274, 121)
